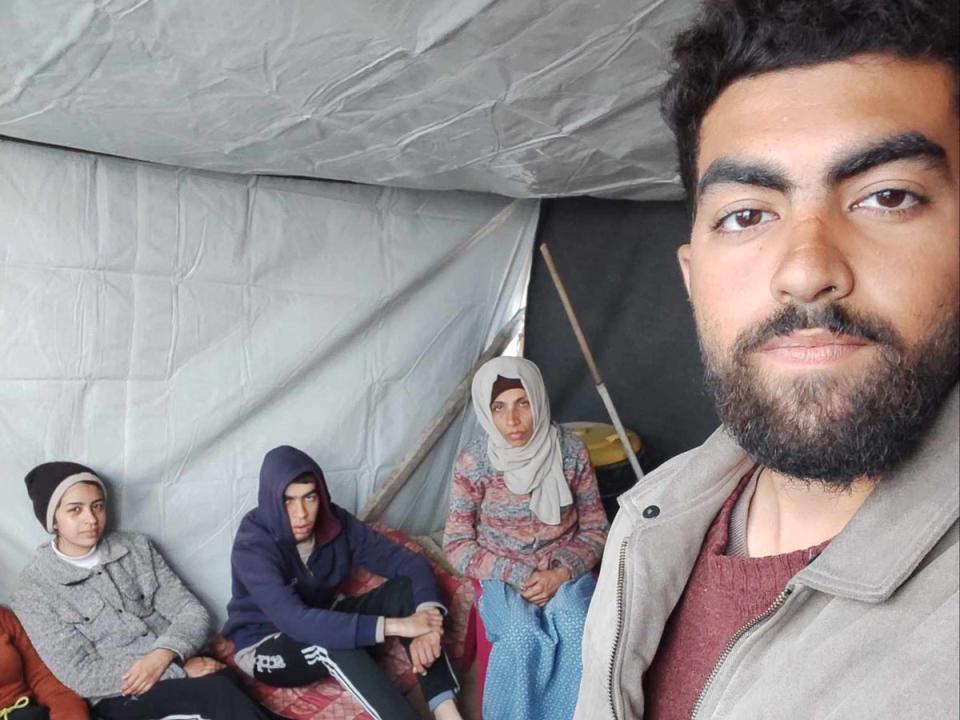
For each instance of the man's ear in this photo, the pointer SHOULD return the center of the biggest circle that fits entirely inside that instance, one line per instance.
(683, 255)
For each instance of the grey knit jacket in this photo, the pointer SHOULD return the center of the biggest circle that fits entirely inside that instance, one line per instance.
(868, 630)
(90, 626)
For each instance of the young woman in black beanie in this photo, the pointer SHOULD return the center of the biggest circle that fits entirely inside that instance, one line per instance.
(110, 618)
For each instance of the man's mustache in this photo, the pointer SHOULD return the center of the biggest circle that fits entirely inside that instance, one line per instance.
(833, 317)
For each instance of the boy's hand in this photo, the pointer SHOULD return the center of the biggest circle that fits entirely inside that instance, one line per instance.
(424, 650)
(199, 666)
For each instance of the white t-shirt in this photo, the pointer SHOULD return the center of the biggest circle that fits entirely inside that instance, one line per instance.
(86, 562)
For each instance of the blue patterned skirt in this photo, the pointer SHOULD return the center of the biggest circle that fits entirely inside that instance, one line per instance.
(535, 665)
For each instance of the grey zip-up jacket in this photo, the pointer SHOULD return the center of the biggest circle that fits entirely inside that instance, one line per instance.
(870, 629)
(90, 626)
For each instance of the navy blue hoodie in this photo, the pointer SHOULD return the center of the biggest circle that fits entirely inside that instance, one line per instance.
(273, 591)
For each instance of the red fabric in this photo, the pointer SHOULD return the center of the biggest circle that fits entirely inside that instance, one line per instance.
(22, 672)
(326, 698)
(723, 594)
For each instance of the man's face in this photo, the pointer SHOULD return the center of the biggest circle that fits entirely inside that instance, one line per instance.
(824, 259)
(302, 502)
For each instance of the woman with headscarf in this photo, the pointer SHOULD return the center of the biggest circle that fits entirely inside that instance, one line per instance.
(526, 521)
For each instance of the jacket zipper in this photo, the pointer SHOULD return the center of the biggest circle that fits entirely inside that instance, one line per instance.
(616, 638)
(781, 598)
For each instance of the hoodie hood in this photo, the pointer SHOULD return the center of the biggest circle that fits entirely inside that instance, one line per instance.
(280, 467)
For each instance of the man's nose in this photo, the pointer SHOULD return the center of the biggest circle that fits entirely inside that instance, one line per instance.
(813, 267)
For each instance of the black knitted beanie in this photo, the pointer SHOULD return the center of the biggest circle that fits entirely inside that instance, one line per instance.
(47, 483)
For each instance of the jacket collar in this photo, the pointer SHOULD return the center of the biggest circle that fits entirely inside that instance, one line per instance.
(898, 525)
(901, 521)
(63, 573)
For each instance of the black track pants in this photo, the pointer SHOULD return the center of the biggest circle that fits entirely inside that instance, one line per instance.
(212, 697)
(285, 662)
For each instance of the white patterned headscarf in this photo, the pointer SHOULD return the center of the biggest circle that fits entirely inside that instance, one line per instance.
(536, 467)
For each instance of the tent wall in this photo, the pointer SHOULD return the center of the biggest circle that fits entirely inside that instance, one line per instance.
(618, 263)
(167, 327)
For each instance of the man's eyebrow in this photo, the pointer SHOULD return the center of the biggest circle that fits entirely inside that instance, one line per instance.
(726, 170)
(907, 146)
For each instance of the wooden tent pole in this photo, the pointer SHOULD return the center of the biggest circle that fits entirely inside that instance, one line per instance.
(378, 502)
(591, 363)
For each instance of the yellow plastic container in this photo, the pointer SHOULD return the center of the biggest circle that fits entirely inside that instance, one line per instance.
(609, 460)
(603, 443)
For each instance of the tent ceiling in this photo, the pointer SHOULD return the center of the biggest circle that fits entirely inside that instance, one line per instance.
(527, 99)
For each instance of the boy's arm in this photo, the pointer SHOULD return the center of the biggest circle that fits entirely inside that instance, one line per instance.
(261, 574)
(379, 554)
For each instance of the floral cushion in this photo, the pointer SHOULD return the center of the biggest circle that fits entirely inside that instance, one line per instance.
(326, 698)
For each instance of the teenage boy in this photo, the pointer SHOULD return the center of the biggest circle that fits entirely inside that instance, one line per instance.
(803, 562)
(288, 623)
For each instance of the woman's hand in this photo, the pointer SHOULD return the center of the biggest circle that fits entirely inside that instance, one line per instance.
(543, 585)
(424, 650)
(413, 626)
(145, 672)
(199, 666)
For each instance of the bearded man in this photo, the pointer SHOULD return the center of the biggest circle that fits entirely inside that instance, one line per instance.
(803, 562)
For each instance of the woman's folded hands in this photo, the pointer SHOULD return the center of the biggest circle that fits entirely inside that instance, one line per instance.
(543, 585)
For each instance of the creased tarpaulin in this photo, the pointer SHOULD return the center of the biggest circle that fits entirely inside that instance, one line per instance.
(168, 327)
(526, 99)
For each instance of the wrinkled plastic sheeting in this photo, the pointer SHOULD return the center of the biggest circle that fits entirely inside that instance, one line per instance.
(525, 99)
(168, 327)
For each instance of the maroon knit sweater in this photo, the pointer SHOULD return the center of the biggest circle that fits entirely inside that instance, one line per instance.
(723, 594)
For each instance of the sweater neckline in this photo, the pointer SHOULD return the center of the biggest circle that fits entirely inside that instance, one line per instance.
(718, 540)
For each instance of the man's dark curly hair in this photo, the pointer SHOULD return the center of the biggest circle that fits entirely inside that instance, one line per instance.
(733, 39)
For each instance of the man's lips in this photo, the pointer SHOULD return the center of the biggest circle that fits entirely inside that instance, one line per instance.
(812, 347)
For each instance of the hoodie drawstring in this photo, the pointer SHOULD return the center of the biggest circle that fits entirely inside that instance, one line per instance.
(18, 705)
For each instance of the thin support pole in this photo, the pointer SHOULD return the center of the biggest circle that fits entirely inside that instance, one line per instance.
(591, 363)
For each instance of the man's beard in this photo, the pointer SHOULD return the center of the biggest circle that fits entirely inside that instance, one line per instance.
(826, 427)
